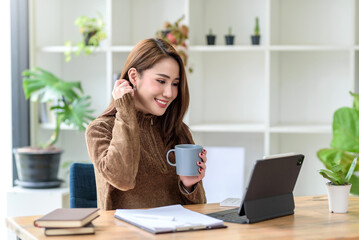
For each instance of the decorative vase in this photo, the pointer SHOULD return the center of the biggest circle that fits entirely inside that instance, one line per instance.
(256, 39)
(229, 39)
(211, 39)
(338, 197)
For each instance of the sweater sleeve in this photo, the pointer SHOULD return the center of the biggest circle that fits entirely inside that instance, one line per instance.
(115, 148)
(198, 195)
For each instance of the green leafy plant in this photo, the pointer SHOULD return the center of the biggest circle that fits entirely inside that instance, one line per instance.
(70, 105)
(345, 142)
(256, 28)
(92, 30)
(337, 176)
(176, 34)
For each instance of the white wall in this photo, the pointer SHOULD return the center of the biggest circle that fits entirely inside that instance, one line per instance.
(5, 119)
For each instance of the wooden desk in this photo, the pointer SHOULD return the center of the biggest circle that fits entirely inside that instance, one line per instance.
(311, 220)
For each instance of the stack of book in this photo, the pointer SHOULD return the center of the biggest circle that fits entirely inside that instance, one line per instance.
(68, 221)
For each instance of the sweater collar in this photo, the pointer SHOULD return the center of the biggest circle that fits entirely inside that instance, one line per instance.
(145, 120)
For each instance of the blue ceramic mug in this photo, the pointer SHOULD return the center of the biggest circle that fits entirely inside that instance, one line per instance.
(187, 156)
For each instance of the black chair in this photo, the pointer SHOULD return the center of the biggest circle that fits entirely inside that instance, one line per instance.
(82, 186)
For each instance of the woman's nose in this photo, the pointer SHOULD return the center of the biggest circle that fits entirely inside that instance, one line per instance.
(168, 91)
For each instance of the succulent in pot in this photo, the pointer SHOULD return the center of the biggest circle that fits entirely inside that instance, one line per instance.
(256, 37)
(338, 186)
(211, 38)
(229, 38)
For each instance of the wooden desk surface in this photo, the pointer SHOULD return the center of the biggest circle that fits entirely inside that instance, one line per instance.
(311, 220)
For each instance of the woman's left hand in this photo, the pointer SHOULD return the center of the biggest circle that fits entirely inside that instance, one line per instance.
(189, 181)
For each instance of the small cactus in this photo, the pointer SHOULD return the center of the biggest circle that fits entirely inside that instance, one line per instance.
(256, 28)
(230, 31)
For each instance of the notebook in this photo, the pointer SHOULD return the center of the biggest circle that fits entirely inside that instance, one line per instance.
(87, 229)
(67, 217)
(269, 193)
(173, 218)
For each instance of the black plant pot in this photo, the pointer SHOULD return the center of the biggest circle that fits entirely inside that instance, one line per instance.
(37, 169)
(87, 36)
(211, 39)
(229, 39)
(256, 39)
(165, 32)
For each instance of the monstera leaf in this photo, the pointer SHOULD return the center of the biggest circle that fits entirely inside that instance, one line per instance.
(77, 114)
(70, 106)
(44, 86)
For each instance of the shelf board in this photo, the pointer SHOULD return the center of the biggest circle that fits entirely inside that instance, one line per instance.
(215, 48)
(301, 129)
(224, 48)
(309, 48)
(260, 128)
(19, 190)
(51, 126)
(207, 127)
(62, 49)
(121, 48)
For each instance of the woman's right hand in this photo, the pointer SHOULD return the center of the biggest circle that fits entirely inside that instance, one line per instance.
(122, 86)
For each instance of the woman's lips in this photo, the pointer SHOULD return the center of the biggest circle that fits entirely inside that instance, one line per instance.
(161, 103)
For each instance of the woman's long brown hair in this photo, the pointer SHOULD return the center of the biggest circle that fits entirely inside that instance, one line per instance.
(144, 56)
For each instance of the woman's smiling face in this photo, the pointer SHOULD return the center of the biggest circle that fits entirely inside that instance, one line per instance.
(157, 87)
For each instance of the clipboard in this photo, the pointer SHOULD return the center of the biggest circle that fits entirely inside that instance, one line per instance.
(168, 219)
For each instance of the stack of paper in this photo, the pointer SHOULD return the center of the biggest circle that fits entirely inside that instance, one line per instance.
(168, 219)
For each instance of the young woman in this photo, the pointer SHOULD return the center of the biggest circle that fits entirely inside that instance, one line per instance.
(128, 142)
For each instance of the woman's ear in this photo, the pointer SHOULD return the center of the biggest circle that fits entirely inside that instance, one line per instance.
(132, 75)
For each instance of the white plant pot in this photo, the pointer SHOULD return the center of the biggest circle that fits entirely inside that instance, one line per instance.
(338, 197)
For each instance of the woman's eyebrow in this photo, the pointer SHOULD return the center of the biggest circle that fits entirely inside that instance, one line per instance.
(166, 76)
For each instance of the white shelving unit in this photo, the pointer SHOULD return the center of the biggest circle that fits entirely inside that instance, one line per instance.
(273, 98)
(38, 201)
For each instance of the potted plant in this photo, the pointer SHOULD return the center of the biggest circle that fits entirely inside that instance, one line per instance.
(38, 166)
(176, 34)
(256, 38)
(93, 32)
(211, 38)
(229, 37)
(338, 187)
(344, 145)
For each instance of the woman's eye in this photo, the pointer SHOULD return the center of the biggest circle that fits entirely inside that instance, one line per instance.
(175, 84)
(161, 81)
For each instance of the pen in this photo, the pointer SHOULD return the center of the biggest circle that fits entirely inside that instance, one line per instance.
(155, 217)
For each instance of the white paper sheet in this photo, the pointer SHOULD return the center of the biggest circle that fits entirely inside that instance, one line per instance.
(224, 174)
(182, 218)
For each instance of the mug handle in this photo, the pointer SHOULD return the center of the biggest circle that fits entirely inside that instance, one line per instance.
(172, 164)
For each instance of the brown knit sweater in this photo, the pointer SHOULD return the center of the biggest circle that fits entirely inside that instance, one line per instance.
(129, 157)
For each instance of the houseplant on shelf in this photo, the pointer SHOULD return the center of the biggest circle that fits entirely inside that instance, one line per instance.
(93, 32)
(176, 34)
(256, 38)
(338, 187)
(229, 37)
(38, 166)
(344, 145)
(211, 38)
